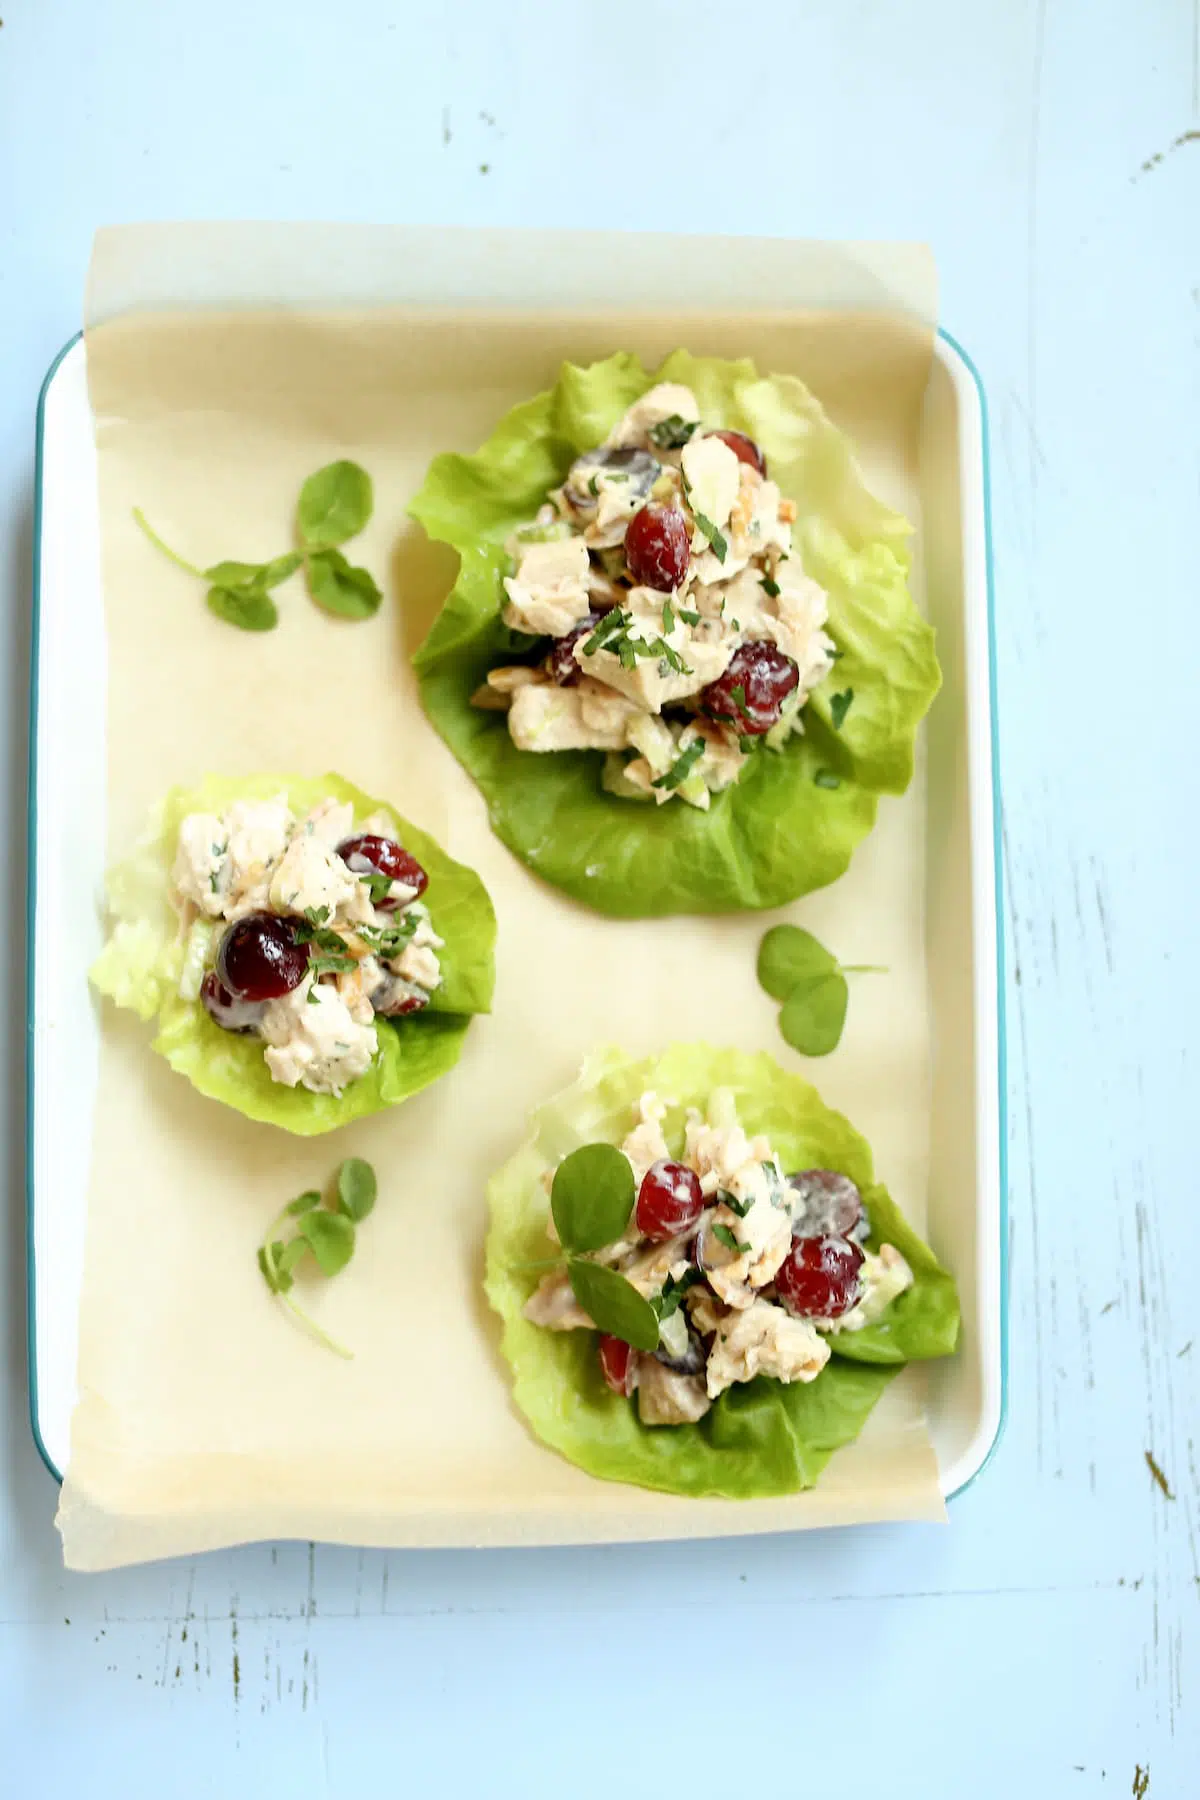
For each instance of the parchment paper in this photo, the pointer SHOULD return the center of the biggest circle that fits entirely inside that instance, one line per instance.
(204, 1417)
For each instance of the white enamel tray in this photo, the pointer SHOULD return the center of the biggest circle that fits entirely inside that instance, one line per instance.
(66, 847)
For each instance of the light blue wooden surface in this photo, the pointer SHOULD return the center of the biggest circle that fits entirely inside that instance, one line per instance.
(1046, 1643)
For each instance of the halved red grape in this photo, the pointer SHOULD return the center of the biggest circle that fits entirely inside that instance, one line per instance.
(561, 665)
(657, 548)
(743, 447)
(260, 958)
(820, 1278)
(371, 855)
(618, 1364)
(750, 695)
(825, 1204)
(242, 1016)
(669, 1200)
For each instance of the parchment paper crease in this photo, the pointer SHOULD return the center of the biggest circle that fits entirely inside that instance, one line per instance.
(204, 1417)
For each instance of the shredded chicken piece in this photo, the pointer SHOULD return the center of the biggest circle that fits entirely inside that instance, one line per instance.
(553, 1304)
(667, 1398)
(548, 595)
(764, 1340)
(648, 1266)
(670, 399)
(765, 1231)
(742, 511)
(577, 718)
(646, 1144)
(507, 681)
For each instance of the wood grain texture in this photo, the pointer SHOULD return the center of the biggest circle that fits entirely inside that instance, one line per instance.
(1047, 1642)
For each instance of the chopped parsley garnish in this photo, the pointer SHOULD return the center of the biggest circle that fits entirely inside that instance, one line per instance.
(668, 616)
(718, 544)
(327, 963)
(615, 634)
(672, 433)
(631, 648)
(825, 778)
(740, 1207)
(388, 941)
(313, 928)
(594, 486)
(330, 955)
(769, 587)
(668, 655)
(724, 1236)
(839, 706)
(835, 655)
(669, 1300)
(613, 623)
(379, 886)
(682, 767)
(689, 618)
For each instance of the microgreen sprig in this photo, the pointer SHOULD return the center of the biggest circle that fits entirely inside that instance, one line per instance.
(795, 967)
(335, 505)
(324, 1230)
(591, 1200)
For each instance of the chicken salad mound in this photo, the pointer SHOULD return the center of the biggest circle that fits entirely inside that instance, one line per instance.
(581, 660)
(750, 1271)
(685, 633)
(307, 955)
(303, 931)
(708, 1276)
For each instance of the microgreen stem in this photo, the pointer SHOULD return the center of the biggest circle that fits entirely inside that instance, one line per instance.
(276, 1224)
(863, 969)
(310, 1325)
(166, 549)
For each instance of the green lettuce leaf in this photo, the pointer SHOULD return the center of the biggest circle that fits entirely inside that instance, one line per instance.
(776, 834)
(918, 1324)
(760, 1438)
(140, 965)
